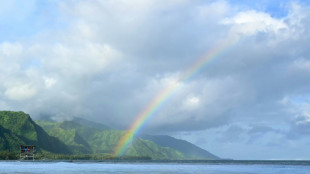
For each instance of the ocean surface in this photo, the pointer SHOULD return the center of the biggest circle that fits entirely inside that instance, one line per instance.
(201, 167)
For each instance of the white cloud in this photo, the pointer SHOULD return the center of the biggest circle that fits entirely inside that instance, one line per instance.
(11, 50)
(49, 82)
(191, 103)
(251, 22)
(216, 9)
(302, 65)
(88, 58)
(20, 92)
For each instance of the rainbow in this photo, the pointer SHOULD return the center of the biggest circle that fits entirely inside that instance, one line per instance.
(165, 94)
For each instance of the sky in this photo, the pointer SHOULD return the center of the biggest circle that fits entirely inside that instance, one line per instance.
(105, 60)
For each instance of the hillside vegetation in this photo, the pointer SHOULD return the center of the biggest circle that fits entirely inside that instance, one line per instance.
(189, 150)
(98, 140)
(17, 128)
(83, 139)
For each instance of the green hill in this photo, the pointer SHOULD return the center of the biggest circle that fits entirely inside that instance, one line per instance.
(9, 141)
(189, 150)
(18, 128)
(91, 124)
(99, 140)
(82, 139)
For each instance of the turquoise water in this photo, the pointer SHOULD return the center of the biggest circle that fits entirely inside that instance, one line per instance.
(9, 167)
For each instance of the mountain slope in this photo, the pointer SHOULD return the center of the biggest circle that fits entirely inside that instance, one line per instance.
(9, 141)
(91, 124)
(18, 128)
(141, 147)
(189, 150)
(80, 137)
(98, 140)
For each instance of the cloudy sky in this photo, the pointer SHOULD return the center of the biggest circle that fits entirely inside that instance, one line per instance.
(105, 60)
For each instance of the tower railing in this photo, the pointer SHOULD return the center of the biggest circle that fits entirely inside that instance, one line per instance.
(27, 152)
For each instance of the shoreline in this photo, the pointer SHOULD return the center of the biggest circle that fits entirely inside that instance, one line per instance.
(205, 162)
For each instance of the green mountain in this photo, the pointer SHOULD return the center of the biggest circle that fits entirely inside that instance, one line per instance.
(18, 128)
(91, 124)
(189, 150)
(9, 141)
(83, 138)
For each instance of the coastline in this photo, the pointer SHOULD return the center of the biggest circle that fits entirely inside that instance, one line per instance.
(206, 162)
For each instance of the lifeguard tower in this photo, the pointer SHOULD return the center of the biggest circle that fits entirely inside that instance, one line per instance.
(27, 152)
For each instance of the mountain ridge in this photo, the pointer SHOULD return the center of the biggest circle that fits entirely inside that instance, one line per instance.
(86, 138)
(102, 141)
(190, 150)
(18, 128)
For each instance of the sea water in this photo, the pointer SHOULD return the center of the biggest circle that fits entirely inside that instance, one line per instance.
(244, 167)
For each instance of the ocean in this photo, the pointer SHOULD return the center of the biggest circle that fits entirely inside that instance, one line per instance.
(159, 167)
